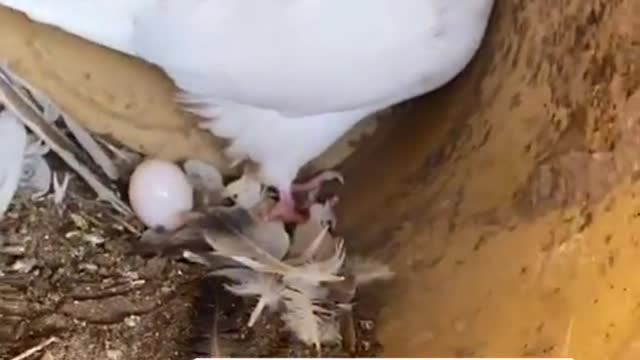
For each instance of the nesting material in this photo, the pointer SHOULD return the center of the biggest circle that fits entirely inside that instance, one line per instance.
(303, 274)
(38, 115)
(13, 140)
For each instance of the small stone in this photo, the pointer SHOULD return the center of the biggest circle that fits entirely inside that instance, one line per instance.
(365, 345)
(79, 221)
(93, 239)
(154, 268)
(132, 321)
(24, 266)
(132, 275)
(47, 356)
(13, 250)
(103, 260)
(73, 234)
(88, 267)
(114, 354)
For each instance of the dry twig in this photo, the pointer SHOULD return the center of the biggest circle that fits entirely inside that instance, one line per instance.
(26, 111)
(36, 348)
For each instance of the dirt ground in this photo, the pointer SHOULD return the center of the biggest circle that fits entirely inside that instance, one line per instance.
(70, 274)
(80, 284)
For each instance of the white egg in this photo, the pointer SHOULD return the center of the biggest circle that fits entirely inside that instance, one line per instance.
(159, 192)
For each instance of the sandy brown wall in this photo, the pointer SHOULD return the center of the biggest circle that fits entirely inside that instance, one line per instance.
(508, 200)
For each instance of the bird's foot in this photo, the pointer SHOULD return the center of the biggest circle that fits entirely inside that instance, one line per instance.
(316, 181)
(309, 192)
(285, 210)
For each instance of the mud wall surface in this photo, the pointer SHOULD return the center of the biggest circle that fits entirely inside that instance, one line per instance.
(507, 200)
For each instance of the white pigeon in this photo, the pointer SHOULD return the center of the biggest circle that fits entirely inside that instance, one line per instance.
(283, 80)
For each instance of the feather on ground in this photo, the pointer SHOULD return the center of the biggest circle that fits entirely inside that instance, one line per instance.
(306, 277)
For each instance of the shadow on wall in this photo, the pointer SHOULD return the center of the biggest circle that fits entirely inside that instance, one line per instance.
(505, 201)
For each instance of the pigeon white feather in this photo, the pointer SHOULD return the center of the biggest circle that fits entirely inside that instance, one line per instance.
(310, 322)
(36, 173)
(367, 270)
(203, 176)
(283, 80)
(245, 191)
(267, 287)
(60, 188)
(13, 142)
